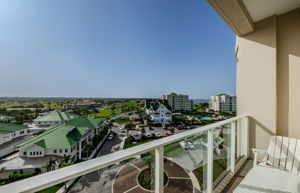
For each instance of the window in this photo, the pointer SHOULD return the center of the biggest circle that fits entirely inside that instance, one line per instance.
(21, 132)
(60, 151)
(30, 153)
(24, 153)
(34, 153)
(55, 151)
(66, 150)
(40, 153)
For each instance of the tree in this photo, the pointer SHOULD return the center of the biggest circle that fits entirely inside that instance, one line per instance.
(95, 111)
(88, 148)
(50, 165)
(66, 158)
(113, 109)
(129, 126)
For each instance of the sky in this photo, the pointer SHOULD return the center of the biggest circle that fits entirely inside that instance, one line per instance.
(114, 48)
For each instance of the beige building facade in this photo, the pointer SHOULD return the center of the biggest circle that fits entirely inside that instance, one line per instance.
(223, 103)
(178, 102)
(268, 64)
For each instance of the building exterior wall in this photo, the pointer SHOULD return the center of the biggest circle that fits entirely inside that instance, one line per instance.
(161, 115)
(178, 102)
(223, 103)
(10, 136)
(47, 123)
(256, 80)
(288, 72)
(268, 69)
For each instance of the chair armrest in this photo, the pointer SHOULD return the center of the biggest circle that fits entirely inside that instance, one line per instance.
(256, 152)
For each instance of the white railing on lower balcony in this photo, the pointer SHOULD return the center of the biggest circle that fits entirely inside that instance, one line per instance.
(238, 146)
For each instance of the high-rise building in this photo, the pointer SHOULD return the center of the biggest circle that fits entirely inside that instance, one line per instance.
(223, 103)
(178, 102)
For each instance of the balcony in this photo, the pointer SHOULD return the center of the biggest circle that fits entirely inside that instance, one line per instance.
(198, 160)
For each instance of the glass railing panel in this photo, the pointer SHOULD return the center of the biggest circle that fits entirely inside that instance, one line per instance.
(135, 174)
(185, 164)
(221, 152)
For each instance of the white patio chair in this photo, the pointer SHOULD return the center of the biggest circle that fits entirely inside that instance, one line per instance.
(282, 153)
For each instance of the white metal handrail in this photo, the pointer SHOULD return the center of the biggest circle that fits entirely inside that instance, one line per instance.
(48, 179)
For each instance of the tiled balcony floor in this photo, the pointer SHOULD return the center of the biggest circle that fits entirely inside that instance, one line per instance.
(234, 181)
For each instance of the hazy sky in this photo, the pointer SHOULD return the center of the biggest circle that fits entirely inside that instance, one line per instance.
(114, 48)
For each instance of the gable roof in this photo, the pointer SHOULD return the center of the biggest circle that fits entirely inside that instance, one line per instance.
(64, 135)
(154, 104)
(57, 116)
(6, 128)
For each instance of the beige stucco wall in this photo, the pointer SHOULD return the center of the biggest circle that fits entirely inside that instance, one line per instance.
(288, 72)
(256, 80)
(268, 78)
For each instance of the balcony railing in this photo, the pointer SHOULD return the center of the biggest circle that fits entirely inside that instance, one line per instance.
(198, 152)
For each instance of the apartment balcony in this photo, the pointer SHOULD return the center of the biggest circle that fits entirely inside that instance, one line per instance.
(204, 159)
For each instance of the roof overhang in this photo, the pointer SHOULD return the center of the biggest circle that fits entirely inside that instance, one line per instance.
(241, 15)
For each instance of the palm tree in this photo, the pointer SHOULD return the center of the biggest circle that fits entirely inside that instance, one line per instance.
(129, 126)
(66, 158)
(50, 164)
(88, 148)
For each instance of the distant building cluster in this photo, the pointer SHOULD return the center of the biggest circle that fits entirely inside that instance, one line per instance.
(78, 105)
(223, 103)
(160, 110)
(178, 102)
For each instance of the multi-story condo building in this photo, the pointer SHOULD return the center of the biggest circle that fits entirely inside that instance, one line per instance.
(268, 109)
(53, 118)
(178, 102)
(159, 111)
(223, 103)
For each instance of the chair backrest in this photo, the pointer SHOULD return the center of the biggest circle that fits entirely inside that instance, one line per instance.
(284, 153)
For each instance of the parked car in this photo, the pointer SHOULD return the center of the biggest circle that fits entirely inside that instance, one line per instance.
(110, 137)
(157, 135)
(167, 134)
(122, 129)
(178, 128)
(148, 135)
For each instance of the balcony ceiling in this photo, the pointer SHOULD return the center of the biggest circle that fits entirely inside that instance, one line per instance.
(241, 15)
(260, 9)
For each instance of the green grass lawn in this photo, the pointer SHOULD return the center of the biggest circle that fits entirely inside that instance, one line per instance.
(173, 150)
(218, 167)
(51, 189)
(122, 120)
(130, 104)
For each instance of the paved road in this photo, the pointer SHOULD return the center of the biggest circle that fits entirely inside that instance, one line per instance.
(101, 180)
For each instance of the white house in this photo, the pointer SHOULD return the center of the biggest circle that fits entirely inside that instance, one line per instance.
(159, 111)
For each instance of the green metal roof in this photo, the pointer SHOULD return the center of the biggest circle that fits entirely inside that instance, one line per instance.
(56, 116)
(10, 128)
(64, 135)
